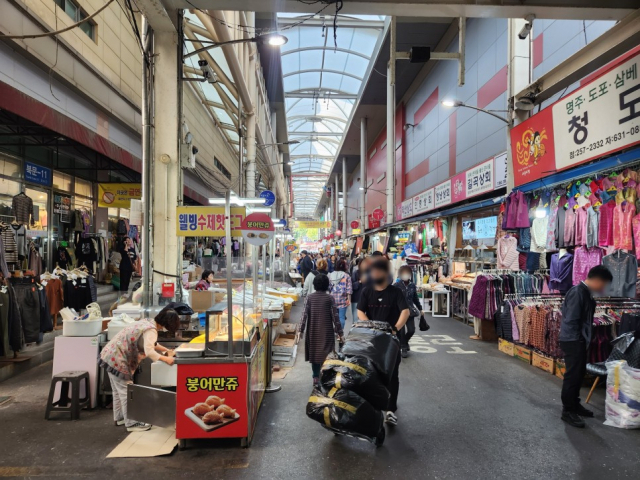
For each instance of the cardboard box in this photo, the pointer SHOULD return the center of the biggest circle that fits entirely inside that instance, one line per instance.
(284, 343)
(195, 275)
(290, 327)
(522, 353)
(560, 369)
(543, 362)
(506, 346)
(201, 301)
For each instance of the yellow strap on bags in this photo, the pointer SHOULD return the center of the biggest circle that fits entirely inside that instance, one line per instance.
(338, 380)
(327, 418)
(352, 366)
(337, 403)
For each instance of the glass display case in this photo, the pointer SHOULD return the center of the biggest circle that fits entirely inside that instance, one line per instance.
(243, 334)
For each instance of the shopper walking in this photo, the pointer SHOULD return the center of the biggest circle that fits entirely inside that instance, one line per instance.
(409, 290)
(306, 265)
(575, 337)
(341, 289)
(121, 356)
(308, 287)
(356, 287)
(321, 324)
(199, 252)
(385, 303)
(128, 254)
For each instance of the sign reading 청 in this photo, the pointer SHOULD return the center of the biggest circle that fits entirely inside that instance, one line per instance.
(118, 195)
(423, 202)
(596, 120)
(313, 224)
(36, 174)
(443, 194)
(207, 221)
(480, 179)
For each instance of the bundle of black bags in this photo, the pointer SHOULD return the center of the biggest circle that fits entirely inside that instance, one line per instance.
(353, 388)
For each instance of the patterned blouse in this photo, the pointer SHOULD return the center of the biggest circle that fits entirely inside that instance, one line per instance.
(622, 231)
(584, 259)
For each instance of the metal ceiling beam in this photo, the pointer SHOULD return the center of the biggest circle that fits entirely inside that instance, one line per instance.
(321, 134)
(542, 9)
(322, 70)
(333, 49)
(343, 22)
(320, 94)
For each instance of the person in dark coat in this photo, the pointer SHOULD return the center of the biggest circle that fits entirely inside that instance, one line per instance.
(576, 329)
(306, 265)
(321, 322)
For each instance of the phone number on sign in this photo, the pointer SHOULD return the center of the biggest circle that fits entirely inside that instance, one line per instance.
(610, 140)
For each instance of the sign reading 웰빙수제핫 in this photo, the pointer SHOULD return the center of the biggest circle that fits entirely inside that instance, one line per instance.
(118, 195)
(207, 221)
(598, 119)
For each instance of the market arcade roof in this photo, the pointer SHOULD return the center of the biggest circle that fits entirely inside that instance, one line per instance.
(323, 73)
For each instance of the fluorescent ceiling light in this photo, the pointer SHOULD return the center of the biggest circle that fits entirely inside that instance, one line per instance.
(260, 209)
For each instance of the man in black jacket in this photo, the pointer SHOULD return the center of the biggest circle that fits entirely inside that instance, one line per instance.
(306, 265)
(575, 337)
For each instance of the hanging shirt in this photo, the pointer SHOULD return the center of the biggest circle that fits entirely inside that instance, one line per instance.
(560, 216)
(622, 231)
(569, 227)
(561, 272)
(624, 268)
(636, 234)
(551, 244)
(584, 259)
(593, 222)
(22, 207)
(605, 226)
(539, 234)
(507, 253)
(581, 226)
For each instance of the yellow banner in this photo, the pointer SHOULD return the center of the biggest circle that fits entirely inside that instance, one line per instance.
(313, 224)
(118, 195)
(207, 221)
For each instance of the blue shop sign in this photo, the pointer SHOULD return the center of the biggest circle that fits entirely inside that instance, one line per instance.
(269, 197)
(36, 174)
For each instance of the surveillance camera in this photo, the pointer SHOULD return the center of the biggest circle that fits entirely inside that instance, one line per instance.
(207, 72)
(194, 150)
(526, 29)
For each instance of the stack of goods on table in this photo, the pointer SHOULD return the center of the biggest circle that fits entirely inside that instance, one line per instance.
(354, 383)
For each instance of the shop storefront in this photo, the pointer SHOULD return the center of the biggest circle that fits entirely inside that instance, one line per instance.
(575, 205)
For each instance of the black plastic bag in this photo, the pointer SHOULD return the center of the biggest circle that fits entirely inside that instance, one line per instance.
(357, 374)
(345, 411)
(380, 347)
(423, 325)
(373, 324)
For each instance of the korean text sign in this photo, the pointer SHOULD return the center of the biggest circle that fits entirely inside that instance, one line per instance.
(118, 195)
(36, 174)
(196, 383)
(207, 221)
(596, 120)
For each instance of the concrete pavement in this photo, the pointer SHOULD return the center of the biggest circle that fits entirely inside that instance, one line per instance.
(466, 411)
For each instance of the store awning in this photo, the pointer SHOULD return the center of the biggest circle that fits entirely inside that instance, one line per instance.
(620, 160)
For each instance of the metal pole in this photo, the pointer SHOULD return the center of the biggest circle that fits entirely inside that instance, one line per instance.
(180, 179)
(344, 198)
(241, 179)
(336, 212)
(391, 122)
(147, 271)
(227, 224)
(363, 173)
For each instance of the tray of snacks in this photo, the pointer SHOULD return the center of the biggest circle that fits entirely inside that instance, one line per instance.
(212, 414)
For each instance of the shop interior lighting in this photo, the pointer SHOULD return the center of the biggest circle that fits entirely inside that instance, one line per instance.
(260, 209)
(541, 213)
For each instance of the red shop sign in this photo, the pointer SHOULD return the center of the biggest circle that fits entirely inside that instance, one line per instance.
(378, 214)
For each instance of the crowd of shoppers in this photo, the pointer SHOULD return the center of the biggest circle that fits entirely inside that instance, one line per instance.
(332, 284)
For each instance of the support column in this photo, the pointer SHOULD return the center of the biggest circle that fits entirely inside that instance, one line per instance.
(391, 122)
(363, 174)
(336, 205)
(344, 198)
(167, 174)
(147, 145)
(520, 73)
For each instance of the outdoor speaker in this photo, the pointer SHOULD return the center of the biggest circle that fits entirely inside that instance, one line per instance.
(419, 54)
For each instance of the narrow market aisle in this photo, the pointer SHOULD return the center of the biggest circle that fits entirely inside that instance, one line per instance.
(462, 415)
